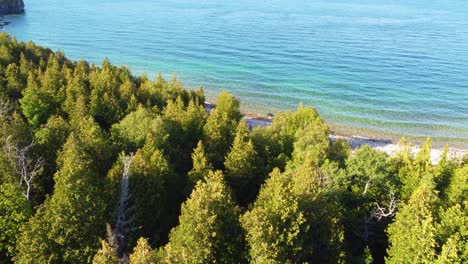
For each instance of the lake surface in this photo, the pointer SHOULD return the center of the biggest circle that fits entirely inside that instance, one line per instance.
(389, 66)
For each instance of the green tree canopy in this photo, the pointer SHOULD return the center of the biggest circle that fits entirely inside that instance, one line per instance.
(240, 164)
(412, 235)
(209, 229)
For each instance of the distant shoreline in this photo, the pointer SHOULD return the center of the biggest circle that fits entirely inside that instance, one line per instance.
(388, 145)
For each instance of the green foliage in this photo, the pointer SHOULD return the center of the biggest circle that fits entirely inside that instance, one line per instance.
(412, 235)
(208, 230)
(311, 144)
(201, 165)
(133, 130)
(411, 170)
(69, 225)
(452, 234)
(149, 172)
(240, 164)
(106, 255)
(275, 227)
(142, 253)
(219, 131)
(340, 151)
(451, 252)
(185, 127)
(50, 138)
(14, 211)
(37, 104)
(458, 186)
(366, 182)
(319, 206)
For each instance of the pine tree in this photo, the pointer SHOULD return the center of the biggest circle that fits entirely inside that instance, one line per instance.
(219, 130)
(228, 106)
(311, 143)
(14, 211)
(201, 165)
(457, 191)
(142, 253)
(414, 170)
(412, 235)
(106, 255)
(149, 173)
(240, 164)
(451, 252)
(325, 232)
(70, 224)
(37, 103)
(451, 234)
(276, 227)
(134, 128)
(208, 230)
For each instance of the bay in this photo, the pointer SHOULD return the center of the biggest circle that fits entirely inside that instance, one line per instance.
(393, 67)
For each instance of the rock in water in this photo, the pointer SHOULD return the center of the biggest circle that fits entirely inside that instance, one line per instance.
(11, 7)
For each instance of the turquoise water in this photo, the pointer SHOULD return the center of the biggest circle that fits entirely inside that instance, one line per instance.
(390, 66)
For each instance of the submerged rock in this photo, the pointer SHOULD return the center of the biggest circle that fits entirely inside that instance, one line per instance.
(8, 7)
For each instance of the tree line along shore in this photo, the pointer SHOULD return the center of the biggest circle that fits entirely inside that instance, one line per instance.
(101, 166)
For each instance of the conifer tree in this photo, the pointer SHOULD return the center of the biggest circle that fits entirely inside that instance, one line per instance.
(451, 235)
(142, 253)
(276, 226)
(14, 82)
(457, 191)
(228, 106)
(104, 99)
(208, 230)
(201, 165)
(325, 232)
(149, 173)
(14, 211)
(219, 130)
(414, 170)
(311, 143)
(451, 252)
(134, 128)
(70, 224)
(106, 255)
(37, 104)
(185, 124)
(412, 235)
(240, 164)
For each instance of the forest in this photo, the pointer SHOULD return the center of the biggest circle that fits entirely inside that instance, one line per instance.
(101, 166)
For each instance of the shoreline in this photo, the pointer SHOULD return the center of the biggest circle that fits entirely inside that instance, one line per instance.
(386, 144)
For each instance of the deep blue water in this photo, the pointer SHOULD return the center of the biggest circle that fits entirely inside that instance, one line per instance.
(392, 66)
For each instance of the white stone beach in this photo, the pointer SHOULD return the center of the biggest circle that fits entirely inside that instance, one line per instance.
(381, 144)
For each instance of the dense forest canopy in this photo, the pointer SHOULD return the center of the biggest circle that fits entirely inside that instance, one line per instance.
(100, 166)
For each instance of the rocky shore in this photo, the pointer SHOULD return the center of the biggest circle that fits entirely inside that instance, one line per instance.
(382, 144)
(8, 7)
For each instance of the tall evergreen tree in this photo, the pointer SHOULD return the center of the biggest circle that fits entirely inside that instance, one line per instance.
(412, 235)
(14, 211)
(219, 130)
(149, 174)
(240, 164)
(276, 226)
(142, 253)
(201, 165)
(106, 255)
(69, 226)
(209, 229)
(452, 234)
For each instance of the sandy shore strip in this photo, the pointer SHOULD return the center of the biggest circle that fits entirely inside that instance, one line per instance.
(386, 145)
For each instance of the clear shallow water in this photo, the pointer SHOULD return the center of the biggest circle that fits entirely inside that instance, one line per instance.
(389, 66)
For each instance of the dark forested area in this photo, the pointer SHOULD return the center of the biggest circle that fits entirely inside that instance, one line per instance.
(100, 166)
